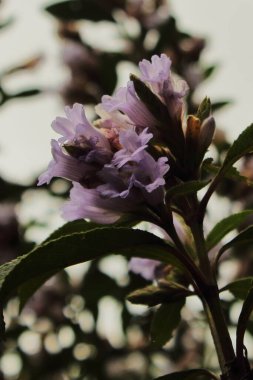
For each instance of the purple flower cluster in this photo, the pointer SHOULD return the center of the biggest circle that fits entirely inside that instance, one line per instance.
(108, 162)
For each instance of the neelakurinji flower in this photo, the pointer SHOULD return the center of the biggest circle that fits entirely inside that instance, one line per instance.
(106, 184)
(108, 161)
(81, 150)
(157, 74)
(138, 179)
(126, 101)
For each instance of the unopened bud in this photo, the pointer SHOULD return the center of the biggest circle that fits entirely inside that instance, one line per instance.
(206, 134)
(192, 137)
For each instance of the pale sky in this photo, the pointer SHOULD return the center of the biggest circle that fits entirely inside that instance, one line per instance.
(25, 125)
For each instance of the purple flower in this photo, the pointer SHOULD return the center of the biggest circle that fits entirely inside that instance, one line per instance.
(138, 182)
(84, 152)
(156, 72)
(134, 169)
(132, 144)
(88, 203)
(150, 178)
(64, 166)
(158, 75)
(107, 161)
(127, 188)
(76, 128)
(126, 100)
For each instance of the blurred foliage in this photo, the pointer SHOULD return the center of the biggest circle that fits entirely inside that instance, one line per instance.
(63, 316)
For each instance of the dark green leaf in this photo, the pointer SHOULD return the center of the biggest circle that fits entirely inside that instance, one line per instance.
(185, 188)
(154, 295)
(209, 71)
(231, 173)
(216, 106)
(25, 93)
(6, 23)
(107, 71)
(26, 290)
(71, 228)
(165, 321)
(240, 288)
(241, 146)
(243, 239)
(170, 35)
(224, 227)
(204, 109)
(10, 191)
(82, 225)
(192, 374)
(93, 10)
(57, 254)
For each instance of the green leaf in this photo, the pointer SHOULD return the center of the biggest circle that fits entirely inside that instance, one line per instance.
(7, 22)
(25, 93)
(185, 188)
(69, 10)
(165, 29)
(93, 10)
(57, 254)
(107, 71)
(10, 191)
(192, 374)
(204, 109)
(243, 239)
(231, 173)
(165, 321)
(209, 71)
(241, 146)
(29, 288)
(224, 227)
(240, 288)
(216, 106)
(82, 225)
(154, 295)
(71, 228)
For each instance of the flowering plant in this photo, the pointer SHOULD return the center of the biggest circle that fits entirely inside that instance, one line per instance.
(143, 160)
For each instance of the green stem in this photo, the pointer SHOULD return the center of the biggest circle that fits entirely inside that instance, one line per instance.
(219, 330)
(209, 295)
(198, 235)
(191, 268)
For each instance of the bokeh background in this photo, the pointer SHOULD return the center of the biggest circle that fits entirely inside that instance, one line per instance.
(48, 60)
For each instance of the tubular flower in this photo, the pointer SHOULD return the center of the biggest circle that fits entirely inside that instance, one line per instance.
(158, 75)
(111, 171)
(126, 100)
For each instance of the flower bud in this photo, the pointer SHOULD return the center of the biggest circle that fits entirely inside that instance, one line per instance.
(206, 135)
